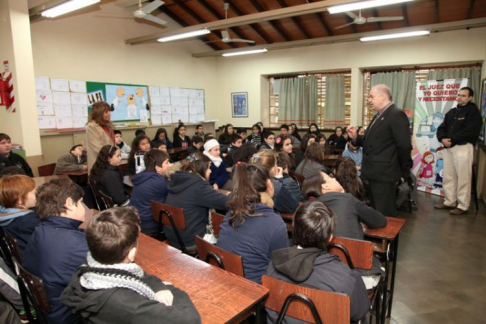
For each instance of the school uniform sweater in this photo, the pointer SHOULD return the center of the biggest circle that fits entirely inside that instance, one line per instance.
(111, 184)
(284, 201)
(148, 186)
(22, 227)
(69, 163)
(18, 161)
(179, 142)
(219, 175)
(189, 191)
(254, 240)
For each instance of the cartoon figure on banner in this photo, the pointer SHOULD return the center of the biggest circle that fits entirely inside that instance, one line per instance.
(426, 171)
(120, 93)
(439, 166)
(131, 107)
(139, 92)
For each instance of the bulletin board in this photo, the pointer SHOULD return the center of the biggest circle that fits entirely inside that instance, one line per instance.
(129, 101)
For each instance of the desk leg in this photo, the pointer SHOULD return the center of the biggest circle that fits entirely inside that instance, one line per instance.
(385, 292)
(261, 315)
(392, 285)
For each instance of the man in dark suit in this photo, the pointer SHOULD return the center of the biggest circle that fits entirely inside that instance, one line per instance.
(386, 150)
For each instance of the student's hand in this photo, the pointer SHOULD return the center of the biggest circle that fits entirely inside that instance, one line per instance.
(164, 297)
(215, 186)
(85, 168)
(352, 132)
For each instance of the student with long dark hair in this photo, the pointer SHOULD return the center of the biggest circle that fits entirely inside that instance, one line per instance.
(256, 135)
(309, 264)
(283, 144)
(346, 173)
(189, 188)
(251, 228)
(180, 137)
(307, 139)
(161, 136)
(107, 175)
(313, 129)
(140, 146)
(225, 138)
(337, 140)
(295, 131)
(313, 161)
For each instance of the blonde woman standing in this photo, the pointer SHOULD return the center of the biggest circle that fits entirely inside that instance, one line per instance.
(99, 131)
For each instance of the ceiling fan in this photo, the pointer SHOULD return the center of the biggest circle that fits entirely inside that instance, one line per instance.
(141, 13)
(360, 20)
(225, 37)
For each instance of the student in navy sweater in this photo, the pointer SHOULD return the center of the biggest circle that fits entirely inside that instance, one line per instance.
(57, 247)
(196, 145)
(180, 137)
(219, 175)
(149, 185)
(161, 136)
(251, 228)
(17, 196)
(12, 159)
(190, 189)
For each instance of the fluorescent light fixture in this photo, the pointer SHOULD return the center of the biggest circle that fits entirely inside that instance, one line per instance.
(193, 33)
(257, 51)
(363, 5)
(66, 7)
(391, 36)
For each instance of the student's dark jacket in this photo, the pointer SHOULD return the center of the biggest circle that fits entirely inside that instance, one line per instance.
(148, 186)
(313, 267)
(224, 139)
(461, 124)
(283, 199)
(339, 142)
(167, 142)
(56, 249)
(192, 149)
(255, 240)
(111, 184)
(18, 161)
(349, 213)
(178, 141)
(21, 228)
(123, 305)
(219, 175)
(69, 163)
(265, 146)
(293, 187)
(189, 191)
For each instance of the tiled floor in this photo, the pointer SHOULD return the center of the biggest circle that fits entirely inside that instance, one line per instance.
(441, 272)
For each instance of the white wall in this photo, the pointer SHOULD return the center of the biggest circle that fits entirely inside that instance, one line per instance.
(244, 73)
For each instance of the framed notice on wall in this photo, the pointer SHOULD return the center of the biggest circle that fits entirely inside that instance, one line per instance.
(239, 104)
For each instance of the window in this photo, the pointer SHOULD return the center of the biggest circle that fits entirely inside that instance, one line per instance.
(321, 100)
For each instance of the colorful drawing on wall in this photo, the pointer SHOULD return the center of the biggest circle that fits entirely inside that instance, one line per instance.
(239, 104)
(434, 100)
(128, 101)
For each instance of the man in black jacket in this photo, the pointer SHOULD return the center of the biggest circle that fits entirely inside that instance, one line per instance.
(386, 150)
(459, 133)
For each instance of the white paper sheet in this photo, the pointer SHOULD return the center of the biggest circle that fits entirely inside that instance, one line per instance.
(156, 109)
(43, 96)
(175, 92)
(192, 93)
(45, 108)
(165, 91)
(185, 118)
(165, 100)
(64, 122)
(80, 110)
(200, 110)
(77, 86)
(193, 119)
(166, 119)
(184, 93)
(62, 110)
(156, 119)
(79, 98)
(200, 117)
(166, 110)
(80, 122)
(46, 122)
(176, 117)
(155, 100)
(193, 110)
(61, 98)
(154, 91)
(143, 116)
(200, 94)
(60, 85)
(42, 83)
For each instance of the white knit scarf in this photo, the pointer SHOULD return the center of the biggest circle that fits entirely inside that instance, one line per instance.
(216, 160)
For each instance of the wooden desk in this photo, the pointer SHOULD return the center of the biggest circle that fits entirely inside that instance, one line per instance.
(150, 251)
(388, 236)
(219, 296)
(39, 181)
(329, 160)
(79, 177)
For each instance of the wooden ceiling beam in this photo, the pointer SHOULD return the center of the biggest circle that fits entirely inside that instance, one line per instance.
(436, 11)
(296, 21)
(374, 12)
(256, 28)
(277, 28)
(322, 22)
(471, 9)
(299, 10)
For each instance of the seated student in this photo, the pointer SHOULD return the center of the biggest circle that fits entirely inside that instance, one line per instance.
(17, 196)
(243, 134)
(284, 162)
(124, 148)
(180, 137)
(111, 288)
(161, 136)
(337, 140)
(11, 170)
(256, 135)
(196, 145)
(251, 228)
(107, 175)
(139, 132)
(75, 160)
(199, 131)
(208, 136)
(140, 146)
(219, 174)
(355, 153)
(283, 143)
(159, 145)
(9, 292)
(2, 160)
(313, 161)
(242, 155)
(346, 174)
(313, 129)
(307, 140)
(268, 141)
(348, 210)
(285, 131)
(57, 247)
(283, 199)
(321, 139)
(236, 142)
(294, 131)
(150, 185)
(307, 263)
(225, 137)
(190, 189)
(12, 159)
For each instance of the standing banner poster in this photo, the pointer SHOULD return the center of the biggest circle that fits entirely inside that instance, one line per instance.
(434, 99)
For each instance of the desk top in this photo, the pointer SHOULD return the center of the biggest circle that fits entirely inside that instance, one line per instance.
(218, 295)
(39, 181)
(389, 232)
(127, 180)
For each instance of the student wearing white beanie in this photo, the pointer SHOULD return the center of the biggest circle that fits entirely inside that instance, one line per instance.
(219, 175)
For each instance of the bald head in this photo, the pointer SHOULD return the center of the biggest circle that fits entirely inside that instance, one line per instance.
(380, 97)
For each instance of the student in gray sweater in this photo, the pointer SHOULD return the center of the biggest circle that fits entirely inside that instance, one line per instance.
(74, 161)
(313, 161)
